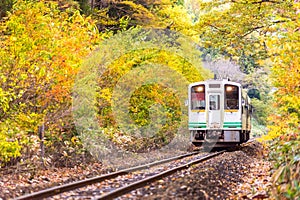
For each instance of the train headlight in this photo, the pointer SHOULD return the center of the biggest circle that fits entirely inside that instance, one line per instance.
(200, 89)
(229, 88)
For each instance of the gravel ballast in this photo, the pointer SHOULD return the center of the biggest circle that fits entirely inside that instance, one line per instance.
(240, 174)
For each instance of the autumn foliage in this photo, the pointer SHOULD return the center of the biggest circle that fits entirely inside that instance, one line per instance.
(286, 78)
(41, 50)
(285, 128)
(43, 44)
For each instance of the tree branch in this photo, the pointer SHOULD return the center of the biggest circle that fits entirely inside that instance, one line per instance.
(258, 2)
(260, 27)
(252, 30)
(223, 31)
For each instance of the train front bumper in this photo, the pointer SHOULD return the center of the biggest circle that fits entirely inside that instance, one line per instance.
(215, 135)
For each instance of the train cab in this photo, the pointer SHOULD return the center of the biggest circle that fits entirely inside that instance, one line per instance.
(218, 113)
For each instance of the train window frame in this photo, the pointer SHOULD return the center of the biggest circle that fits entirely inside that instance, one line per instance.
(217, 102)
(198, 97)
(231, 97)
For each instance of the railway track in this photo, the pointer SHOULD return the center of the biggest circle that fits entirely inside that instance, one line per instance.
(121, 189)
(82, 183)
(141, 183)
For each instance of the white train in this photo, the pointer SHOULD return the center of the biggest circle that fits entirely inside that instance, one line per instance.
(219, 113)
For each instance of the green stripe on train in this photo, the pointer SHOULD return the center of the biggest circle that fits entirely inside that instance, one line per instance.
(232, 125)
(197, 124)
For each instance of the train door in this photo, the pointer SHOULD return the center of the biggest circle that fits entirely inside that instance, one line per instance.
(214, 113)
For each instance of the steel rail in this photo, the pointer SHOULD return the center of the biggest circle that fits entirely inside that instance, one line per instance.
(78, 184)
(251, 140)
(141, 183)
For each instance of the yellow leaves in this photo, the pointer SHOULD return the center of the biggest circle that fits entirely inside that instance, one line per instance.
(283, 45)
(177, 17)
(140, 11)
(75, 140)
(282, 125)
(29, 121)
(8, 149)
(13, 39)
(4, 100)
(106, 94)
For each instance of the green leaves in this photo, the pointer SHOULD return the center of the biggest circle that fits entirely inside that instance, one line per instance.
(286, 157)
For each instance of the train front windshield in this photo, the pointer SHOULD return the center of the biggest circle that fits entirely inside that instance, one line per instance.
(198, 97)
(231, 97)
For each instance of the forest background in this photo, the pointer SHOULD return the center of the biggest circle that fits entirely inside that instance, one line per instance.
(43, 44)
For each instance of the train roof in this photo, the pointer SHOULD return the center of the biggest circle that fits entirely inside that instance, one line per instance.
(224, 81)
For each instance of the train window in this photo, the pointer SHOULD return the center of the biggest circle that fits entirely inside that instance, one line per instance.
(214, 102)
(198, 97)
(231, 97)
